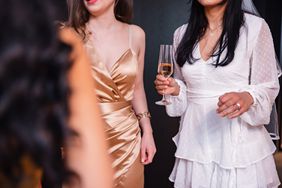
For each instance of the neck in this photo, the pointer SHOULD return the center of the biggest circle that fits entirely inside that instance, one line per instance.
(215, 15)
(106, 20)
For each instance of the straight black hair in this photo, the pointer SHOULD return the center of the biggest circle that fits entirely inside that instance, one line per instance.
(233, 19)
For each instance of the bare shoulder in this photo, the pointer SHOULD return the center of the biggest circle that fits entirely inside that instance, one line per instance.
(138, 38)
(138, 33)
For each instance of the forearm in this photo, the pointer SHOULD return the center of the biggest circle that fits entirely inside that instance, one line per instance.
(179, 101)
(264, 97)
(140, 106)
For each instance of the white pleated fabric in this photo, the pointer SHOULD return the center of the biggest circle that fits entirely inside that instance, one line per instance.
(215, 152)
(193, 174)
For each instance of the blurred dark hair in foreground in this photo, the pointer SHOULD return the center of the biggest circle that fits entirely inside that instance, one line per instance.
(33, 92)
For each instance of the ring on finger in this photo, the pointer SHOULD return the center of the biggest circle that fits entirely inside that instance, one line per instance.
(238, 106)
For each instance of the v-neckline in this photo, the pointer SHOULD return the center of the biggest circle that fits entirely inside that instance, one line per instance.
(111, 69)
(200, 55)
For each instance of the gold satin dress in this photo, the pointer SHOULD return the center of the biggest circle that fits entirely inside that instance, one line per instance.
(114, 90)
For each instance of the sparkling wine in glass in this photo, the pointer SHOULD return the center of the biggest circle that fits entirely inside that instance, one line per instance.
(165, 67)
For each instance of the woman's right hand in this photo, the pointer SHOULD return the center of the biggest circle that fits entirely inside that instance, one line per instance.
(166, 86)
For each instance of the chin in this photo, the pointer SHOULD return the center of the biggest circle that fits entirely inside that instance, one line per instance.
(207, 3)
(93, 8)
(90, 2)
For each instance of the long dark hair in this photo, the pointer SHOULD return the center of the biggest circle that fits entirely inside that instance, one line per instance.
(79, 15)
(33, 92)
(233, 19)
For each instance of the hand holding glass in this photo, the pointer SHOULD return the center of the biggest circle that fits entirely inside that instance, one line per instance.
(165, 67)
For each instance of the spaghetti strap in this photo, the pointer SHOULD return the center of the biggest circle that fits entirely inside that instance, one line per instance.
(129, 37)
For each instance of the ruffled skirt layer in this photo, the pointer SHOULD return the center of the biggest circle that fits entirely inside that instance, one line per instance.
(192, 174)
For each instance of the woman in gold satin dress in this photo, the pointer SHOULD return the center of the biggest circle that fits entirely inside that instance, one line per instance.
(117, 52)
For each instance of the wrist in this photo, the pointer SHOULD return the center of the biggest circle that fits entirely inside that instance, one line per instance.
(176, 90)
(143, 115)
(251, 99)
(147, 131)
(146, 128)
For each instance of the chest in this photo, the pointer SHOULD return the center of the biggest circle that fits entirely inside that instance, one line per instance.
(204, 74)
(110, 48)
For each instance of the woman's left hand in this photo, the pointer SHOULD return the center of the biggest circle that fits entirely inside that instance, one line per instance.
(148, 148)
(234, 104)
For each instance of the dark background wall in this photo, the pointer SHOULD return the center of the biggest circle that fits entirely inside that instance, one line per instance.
(159, 19)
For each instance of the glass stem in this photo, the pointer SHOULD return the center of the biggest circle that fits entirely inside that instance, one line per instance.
(164, 99)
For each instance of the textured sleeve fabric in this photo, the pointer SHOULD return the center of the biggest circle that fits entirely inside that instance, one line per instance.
(264, 85)
(179, 103)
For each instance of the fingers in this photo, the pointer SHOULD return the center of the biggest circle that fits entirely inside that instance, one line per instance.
(161, 88)
(161, 82)
(171, 81)
(235, 114)
(228, 96)
(164, 85)
(150, 153)
(143, 155)
(148, 149)
(161, 77)
(239, 112)
(224, 106)
(231, 105)
(228, 111)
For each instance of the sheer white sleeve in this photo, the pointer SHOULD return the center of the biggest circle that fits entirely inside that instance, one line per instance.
(264, 84)
(179, 103)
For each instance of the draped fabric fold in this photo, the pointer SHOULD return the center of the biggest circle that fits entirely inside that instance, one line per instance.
(123, 136)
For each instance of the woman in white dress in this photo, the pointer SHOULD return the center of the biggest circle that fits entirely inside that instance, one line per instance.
(224, 86)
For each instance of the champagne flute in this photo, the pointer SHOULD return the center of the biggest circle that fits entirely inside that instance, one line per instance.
(165, 67)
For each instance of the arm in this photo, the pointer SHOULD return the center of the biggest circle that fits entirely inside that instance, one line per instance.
(177, 95)
(264, 79)
(256, 100)
(139, 102)
(86, 154)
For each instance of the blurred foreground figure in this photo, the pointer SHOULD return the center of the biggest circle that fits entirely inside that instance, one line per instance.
(46, 103)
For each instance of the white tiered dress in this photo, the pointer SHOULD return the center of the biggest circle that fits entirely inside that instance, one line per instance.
(216, 152)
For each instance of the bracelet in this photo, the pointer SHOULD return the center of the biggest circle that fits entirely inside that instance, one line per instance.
(143, 115)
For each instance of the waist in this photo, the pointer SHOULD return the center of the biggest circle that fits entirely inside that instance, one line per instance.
(110, 107)
(203, 96)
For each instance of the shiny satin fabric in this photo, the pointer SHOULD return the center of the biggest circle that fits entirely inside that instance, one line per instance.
(114, 90)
